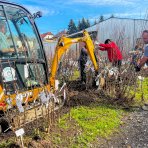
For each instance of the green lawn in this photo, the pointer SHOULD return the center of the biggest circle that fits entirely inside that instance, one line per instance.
(89, 123)
(141, 92)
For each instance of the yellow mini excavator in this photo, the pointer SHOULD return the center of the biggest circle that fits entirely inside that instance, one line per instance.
(27, 90)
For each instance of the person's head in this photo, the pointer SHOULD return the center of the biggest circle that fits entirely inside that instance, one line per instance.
(85, 47)
(3, 27)
(145, 36)
(107, 41)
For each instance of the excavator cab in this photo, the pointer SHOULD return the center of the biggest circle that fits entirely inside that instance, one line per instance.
(24, 77)
(22, 59)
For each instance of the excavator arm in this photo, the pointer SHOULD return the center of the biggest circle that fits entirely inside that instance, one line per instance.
(63, 45)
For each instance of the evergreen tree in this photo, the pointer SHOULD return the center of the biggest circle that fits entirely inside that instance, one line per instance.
(84, 24)
(101, 18)
(79, 28)
(112, 16)
(72, 27)
(87, 23)
(95, 22)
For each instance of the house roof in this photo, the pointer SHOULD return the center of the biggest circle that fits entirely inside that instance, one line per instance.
(44, 34)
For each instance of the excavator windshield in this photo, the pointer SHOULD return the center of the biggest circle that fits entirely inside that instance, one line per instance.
(17, 36)
(22, 58)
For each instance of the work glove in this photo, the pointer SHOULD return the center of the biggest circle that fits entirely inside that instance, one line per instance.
(137, 68)
(97, 43)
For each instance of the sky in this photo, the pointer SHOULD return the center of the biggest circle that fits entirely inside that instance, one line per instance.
(57, 13)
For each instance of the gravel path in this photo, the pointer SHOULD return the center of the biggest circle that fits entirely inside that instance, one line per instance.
(134, 133)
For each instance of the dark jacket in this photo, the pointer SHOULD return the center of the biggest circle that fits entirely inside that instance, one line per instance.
(83, 56)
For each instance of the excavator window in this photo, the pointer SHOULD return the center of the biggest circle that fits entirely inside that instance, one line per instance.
(5, 37)
(20, 39)
(21, 52)
(31, 74)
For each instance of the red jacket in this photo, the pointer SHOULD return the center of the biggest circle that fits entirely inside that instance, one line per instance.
(114, 53)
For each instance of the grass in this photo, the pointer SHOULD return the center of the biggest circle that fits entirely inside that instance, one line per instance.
(90, 123)
(141, 92)
(75, 76)
(6, 144)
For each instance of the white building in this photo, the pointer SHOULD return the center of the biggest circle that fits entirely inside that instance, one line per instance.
(123, 31)
(47, 36)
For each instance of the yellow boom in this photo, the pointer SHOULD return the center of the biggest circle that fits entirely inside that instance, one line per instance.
(62, 46)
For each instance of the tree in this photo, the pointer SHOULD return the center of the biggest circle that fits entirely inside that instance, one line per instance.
(72, 27)
(112, 16)
(87, 23)
(79, 27)
(83, 24)
(101, 18)
(95, 22)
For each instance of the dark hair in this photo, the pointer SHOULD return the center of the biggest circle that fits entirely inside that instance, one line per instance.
(107, 41)
(145, 31)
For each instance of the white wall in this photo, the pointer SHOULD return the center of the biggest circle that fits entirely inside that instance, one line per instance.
(123, 31)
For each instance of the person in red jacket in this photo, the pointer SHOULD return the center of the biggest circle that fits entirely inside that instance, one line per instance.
(113, 51)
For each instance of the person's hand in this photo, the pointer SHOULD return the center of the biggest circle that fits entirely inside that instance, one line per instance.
(97, 43)
(100, 47)
(137, 68)
(11, 50)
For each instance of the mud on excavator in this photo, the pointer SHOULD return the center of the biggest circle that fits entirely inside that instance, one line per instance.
(27, 90)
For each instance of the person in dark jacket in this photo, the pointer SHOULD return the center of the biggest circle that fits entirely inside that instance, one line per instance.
(113, 51)
(82, 62)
